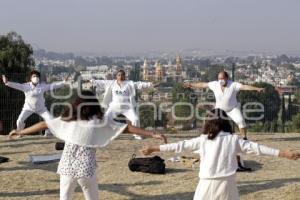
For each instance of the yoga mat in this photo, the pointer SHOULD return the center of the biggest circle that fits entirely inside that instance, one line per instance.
(45, 158)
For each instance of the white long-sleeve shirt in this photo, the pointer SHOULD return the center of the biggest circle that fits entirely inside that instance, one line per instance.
(218, 156)
(34, 95)
(225, 100)
(120, 93)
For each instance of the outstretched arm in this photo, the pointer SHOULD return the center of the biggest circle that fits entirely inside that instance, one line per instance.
(103, 84)
(200, 85)
(247, 146)
(142, 132)
(55, 85)
(140, 85)
(192, 144)
(249, 88)
(14, 85)
(28, 131)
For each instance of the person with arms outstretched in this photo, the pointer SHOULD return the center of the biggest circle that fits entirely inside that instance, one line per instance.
(218, 148)
(34, 96)
(225, 92)
(119, 96)
(84, 128)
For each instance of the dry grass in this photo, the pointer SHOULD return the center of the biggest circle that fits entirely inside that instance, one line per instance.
(271, 179)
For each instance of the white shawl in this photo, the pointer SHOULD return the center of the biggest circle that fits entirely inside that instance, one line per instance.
(92, 133)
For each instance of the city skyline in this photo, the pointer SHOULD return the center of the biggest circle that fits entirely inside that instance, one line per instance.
(131, 27)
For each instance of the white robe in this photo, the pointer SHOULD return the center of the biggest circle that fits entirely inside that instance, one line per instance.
(120, 99)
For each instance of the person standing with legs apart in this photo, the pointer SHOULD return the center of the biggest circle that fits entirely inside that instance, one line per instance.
(84, 129)
(225, 92)
(34, 96)
(119, 97)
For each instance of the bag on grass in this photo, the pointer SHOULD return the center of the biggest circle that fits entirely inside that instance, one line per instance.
(153, 165)
(59, 146)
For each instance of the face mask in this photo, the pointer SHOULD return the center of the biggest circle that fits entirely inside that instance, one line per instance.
(35, 80)
(222, 82)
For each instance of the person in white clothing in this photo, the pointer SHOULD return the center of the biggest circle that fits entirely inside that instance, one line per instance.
(218, 148)
(84, 129)
(34, 96)
(225, 92)
(119, 96)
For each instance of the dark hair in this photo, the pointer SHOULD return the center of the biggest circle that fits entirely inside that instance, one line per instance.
(83, 108)
(35, 72)
(216, 121)
(225, 73)
(121, 71)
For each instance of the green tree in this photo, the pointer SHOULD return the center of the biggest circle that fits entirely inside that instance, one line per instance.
(15, 54)
(290, 110)
(296, 122)
(181, 94)
(270, 99)
(135, 73)
(211, 73)
(297, 97)
(15, 62)
(146, 114)
(283, 114)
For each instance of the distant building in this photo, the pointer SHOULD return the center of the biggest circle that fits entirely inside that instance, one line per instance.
(97, 72)
(164, 73)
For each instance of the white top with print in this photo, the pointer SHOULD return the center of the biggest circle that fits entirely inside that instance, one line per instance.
(82, 137)
(77, 161)
(120, 92)
(225, 100)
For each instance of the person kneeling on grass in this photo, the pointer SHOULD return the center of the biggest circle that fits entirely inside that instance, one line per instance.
(83, 128)
(218, 149)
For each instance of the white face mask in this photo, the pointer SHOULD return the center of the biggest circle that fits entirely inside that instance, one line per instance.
(35, 80)
(222, 82)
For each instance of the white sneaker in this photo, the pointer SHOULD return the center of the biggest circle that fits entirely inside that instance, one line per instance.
(137, 137)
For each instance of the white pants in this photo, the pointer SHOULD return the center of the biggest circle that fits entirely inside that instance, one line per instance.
(89, 187)
(217, 189)
(26, 113)
(129, 113)
(236, 116)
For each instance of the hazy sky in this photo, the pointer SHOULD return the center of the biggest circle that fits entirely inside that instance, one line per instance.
(149, 25)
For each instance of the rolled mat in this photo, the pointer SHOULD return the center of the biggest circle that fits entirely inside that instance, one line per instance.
(42, 159)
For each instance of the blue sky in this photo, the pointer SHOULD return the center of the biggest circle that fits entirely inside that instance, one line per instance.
(151, 25)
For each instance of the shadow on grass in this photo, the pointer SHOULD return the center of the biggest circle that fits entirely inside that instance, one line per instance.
(13, 152)
(174, 171)
(26, 138)
(18, 145)
(253, 164)
(246, 187)
(52, 167)
(29, 193)
(124, 190)
(121, 189)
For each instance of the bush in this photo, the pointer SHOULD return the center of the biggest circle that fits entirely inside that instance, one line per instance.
(296, 122)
